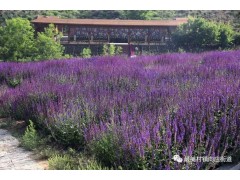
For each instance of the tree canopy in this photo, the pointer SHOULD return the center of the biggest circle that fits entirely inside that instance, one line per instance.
(18, 42)
(200, 34)
(48, 44)
(232, 17)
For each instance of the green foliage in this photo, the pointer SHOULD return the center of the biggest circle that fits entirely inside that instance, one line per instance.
(112, 50)
(105, 50)
(14, 82)
(67, 56)
(119, 50)
(92, 165)
(60, 162)
(164, 14)
(16, 40)
(89, 164)
(139, 14)
(47, 151)
(30, 139)
(70, 130)
(220, 15)
(236, 40)
(68, 134)
(180, 50)
(48, 44)
(226, 36)
(86, 53)
(200, 34)
(106, 149)
(105, 14)
(196, 35)
(52, 32)
(74, 162)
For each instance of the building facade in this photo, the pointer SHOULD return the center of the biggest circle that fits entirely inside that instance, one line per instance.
(143, 35)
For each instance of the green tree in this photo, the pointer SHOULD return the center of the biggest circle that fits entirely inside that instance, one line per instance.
(48, 44)
(17, 40)
(200, 34)
(226, 35)
(196, 35)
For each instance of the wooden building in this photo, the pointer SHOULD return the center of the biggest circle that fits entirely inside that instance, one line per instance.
(79, 33)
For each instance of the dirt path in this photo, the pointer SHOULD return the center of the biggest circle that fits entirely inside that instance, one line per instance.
(13, 157)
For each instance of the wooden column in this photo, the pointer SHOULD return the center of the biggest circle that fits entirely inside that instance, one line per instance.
(129, 45)
(108, 37)
(69, 34)
(146, 38)
(91, 38)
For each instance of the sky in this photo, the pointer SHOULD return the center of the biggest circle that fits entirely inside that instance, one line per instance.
(119, 4)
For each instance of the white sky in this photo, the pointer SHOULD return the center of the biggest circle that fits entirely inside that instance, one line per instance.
(119, 4)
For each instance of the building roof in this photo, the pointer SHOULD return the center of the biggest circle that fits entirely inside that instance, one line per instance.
(108, 22)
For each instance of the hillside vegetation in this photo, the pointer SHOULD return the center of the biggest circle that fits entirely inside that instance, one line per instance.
(233, 17)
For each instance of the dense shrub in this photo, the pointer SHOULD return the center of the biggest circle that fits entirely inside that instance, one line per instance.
(87, 163)
(67, 124)
(105, 50)
(68, 162)
(30, 139)
(111, 50)
(86, 53)
(60, 162)
(68, 134)
(226, 37)
(237, 39)
(200, 34)
(106, 149)
(119, 50)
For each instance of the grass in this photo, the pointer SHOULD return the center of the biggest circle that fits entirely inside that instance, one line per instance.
(45, 148)
(60, 162)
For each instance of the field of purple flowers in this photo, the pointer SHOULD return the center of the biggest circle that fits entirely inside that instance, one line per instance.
(134, 113)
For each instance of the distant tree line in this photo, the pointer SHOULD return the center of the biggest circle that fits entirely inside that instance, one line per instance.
(96, 14)
(233, 17)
